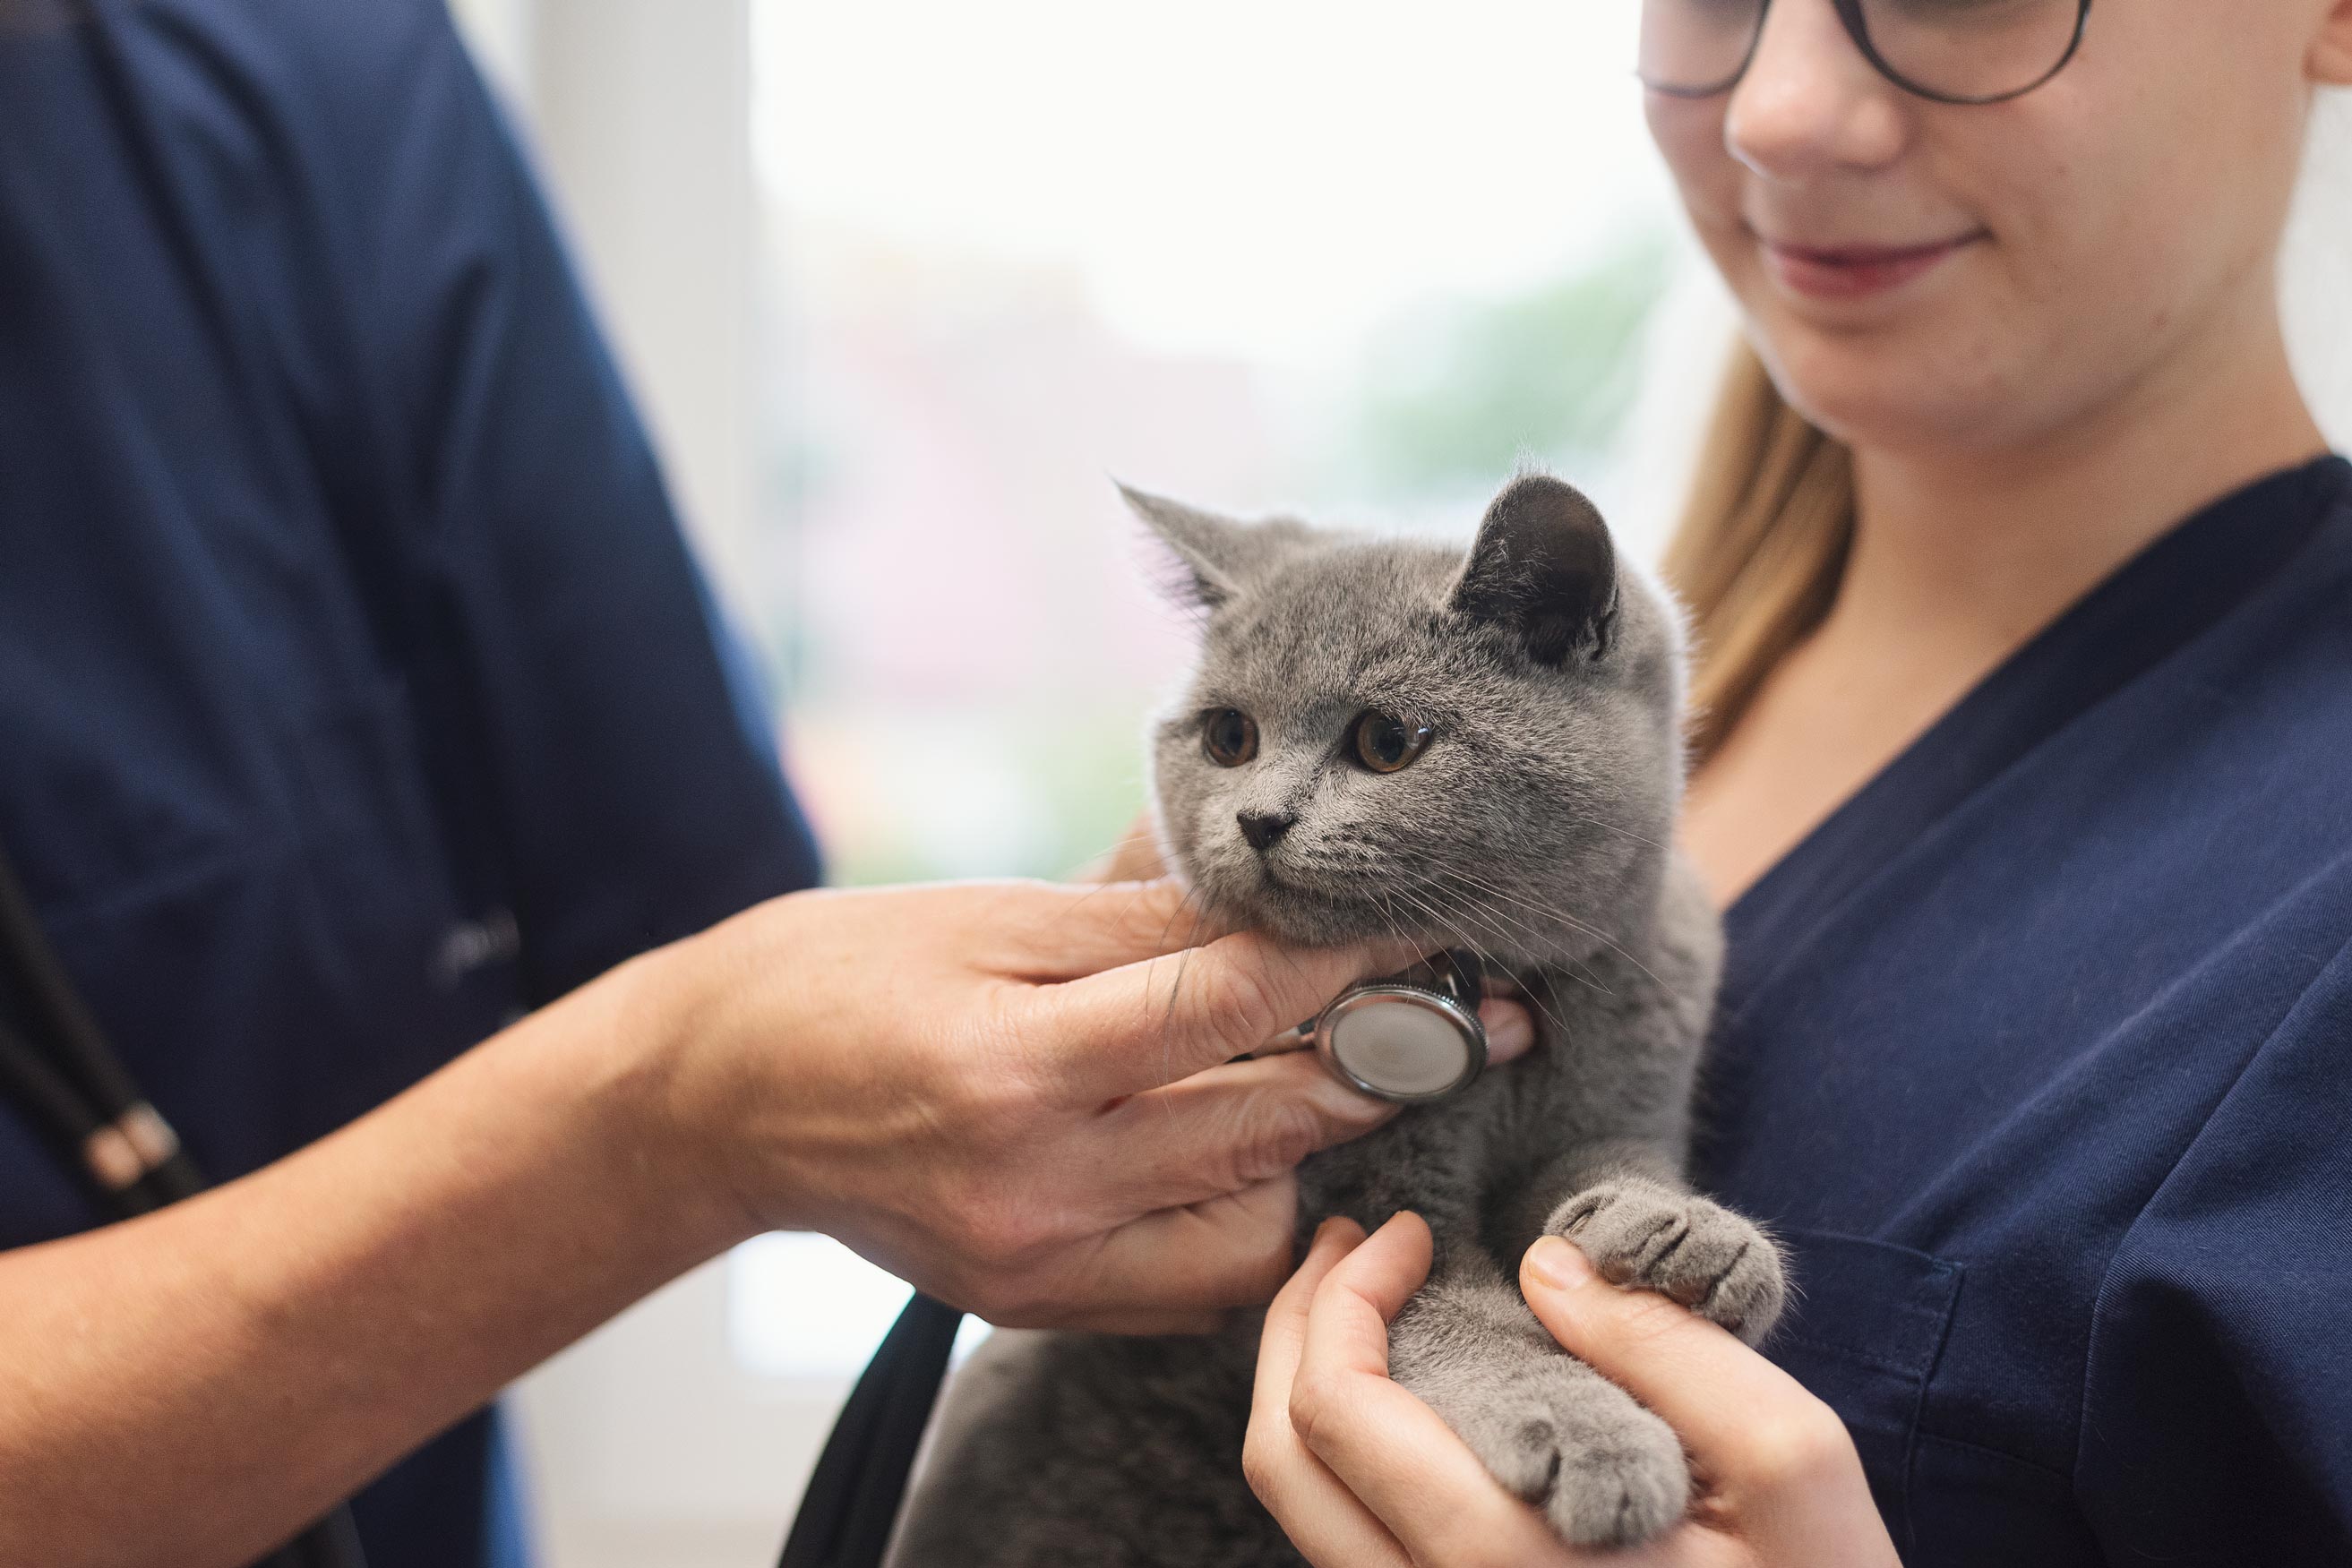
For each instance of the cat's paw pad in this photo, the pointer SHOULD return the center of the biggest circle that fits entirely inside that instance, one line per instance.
(1648, 1234)
(1618, 1487)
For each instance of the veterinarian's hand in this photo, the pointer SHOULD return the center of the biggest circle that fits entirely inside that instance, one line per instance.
(1018, 1095)
(1361, 1474)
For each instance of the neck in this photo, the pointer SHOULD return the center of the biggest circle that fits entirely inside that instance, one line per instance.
(1977, 550)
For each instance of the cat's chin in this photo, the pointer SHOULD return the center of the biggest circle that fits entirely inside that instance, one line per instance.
(1301, 915)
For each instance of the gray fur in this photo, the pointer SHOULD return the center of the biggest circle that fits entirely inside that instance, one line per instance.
(1533, 831)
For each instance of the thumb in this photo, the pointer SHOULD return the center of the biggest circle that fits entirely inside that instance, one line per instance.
(1714, 1391)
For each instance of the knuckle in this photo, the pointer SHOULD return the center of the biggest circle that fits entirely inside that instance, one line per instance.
(1644, 1318)
(1798, 1446)
(1237, 1001)
(1260, 1467)
(1282, 1132)
(1315, 1398)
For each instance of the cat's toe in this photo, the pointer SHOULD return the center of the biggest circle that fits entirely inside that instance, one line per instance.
(1605, 1471)
(1621, 1490)
(1649, 1235)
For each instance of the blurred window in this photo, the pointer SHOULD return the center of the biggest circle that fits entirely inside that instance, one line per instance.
(1263, 255)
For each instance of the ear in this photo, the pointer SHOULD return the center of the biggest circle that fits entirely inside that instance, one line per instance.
(1543, 566)
(1217, 555)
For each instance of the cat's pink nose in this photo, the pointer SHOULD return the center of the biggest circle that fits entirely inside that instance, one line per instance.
(1263, 828)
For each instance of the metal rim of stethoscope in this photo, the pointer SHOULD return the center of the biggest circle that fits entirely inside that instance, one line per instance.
(1463, 1020)
(86, 1101)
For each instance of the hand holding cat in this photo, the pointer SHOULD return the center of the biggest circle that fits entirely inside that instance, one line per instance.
(1362, 1474)
(1018, 1095)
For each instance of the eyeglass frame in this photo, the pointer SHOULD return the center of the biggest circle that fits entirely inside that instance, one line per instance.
(1857, 27)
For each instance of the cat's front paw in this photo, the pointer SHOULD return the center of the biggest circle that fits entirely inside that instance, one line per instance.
(1649, 1235)
(1606, 1473)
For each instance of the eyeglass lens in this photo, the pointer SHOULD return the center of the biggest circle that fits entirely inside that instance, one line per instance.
(1959, 51)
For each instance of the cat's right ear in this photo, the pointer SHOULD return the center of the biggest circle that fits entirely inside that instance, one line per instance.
(1544, 566)
(1213, 554)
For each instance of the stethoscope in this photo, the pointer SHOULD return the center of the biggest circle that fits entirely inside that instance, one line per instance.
(1413, 1038)
(68, 1083)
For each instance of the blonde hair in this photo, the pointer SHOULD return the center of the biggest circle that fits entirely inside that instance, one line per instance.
(1761, 545)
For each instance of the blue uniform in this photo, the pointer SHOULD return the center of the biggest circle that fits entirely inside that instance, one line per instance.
(2039, 1053)
(356, 690)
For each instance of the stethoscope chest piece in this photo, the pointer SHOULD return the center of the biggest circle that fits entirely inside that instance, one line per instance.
(1411, 1038)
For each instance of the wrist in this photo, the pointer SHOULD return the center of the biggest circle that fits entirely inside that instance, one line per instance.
(641, 1060)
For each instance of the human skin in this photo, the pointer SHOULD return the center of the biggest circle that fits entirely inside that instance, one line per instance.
(2100, 356)
(2097, 356)
(1364, 1474)
(1019, 1096)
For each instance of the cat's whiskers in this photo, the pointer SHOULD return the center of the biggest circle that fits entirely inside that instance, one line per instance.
(1446, 922)
(1472, 882)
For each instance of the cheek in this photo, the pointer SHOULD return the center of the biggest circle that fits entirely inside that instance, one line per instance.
(2116, 250)
(1688, 133)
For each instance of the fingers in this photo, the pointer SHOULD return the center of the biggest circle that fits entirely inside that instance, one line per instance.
(1323, 1519)
(1153, 1022)
(1736, 1412)
(1243, 1122)
(1135, 858)
(1146, 1324)
(1225, 1129)
(1231, 1251)
(1050, 932)
(1511, 1028)
(1391, 1451)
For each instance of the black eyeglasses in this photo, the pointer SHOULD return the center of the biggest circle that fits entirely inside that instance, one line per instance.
(1952, 51)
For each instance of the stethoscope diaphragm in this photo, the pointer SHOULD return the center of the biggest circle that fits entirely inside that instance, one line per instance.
(1408, 1038)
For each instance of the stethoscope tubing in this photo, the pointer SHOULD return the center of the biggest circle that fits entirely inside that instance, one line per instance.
(84, 1100)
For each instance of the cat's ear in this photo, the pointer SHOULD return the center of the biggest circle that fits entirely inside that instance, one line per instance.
(1543, 565)
(1216, 555)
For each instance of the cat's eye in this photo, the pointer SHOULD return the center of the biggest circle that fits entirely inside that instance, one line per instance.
(1229, 736)
(1384, 744)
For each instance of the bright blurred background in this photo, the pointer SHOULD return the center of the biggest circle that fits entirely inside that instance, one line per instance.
(902, 284)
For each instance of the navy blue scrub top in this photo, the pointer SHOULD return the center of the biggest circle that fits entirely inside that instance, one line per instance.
(2038, 1054)
(356, 690)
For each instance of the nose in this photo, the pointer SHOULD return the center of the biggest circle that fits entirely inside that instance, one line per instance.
(1263, 828)
(1809, 104)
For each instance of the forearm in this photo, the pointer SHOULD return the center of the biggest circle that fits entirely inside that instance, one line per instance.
(191, 1388)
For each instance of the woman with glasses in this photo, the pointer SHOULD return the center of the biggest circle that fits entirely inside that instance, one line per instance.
(2022, 582)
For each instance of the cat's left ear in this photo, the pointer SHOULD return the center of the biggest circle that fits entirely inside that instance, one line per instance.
(1218, 555)
(1543, 564)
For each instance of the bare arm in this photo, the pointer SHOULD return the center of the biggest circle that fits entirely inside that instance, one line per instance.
(201, 1382)
(1007, 1093)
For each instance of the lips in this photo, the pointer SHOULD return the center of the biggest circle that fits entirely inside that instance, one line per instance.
(1843, 271)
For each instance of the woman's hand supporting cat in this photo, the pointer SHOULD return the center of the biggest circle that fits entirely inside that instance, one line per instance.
(1362, 1474)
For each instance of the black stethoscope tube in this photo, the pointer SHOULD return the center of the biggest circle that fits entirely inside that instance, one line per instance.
(86, 1101)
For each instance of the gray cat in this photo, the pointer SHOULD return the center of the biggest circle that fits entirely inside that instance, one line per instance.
(1383, 738)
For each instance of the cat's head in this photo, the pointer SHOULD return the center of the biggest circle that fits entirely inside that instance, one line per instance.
(1387, 737)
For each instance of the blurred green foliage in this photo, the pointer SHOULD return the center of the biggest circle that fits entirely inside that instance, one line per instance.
(1458, 396)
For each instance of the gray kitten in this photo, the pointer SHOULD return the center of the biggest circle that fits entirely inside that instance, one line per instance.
(1383, 738)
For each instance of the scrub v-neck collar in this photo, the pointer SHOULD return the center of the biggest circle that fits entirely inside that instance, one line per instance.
(2159, 601)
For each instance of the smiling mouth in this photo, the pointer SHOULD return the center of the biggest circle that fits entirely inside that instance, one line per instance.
(1856, 271)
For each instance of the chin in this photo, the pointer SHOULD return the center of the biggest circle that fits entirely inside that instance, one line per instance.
(1901, 387)
(1248, 899)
